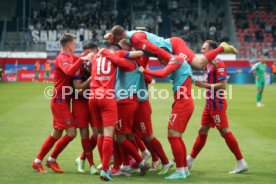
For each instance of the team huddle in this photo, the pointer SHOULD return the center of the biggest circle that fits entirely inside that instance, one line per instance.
(118, 108)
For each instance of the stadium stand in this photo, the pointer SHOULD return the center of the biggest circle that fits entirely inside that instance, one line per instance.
(255, 27)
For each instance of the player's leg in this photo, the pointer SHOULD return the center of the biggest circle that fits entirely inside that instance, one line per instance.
(46, 147)
(133, 164)
(176, 127)
(47, 77)
(143, 128)
(60, 146)
(93, 142)
(233, 145)
(107, 151)
(259, 92)
(179, 153)
(87, 148)
(97, 125)
(260, 87)
(263, 86)
(143, 149)
(139, 41)
(180, 48)
(125, 168)
(201, 62)
(115, 170)
(154, 144)
(109, 116)
(100, 143)
(198, 144)
(81, 114)
(154, 157)
(128, 147)
(221, 122)
(80, 160)
(124, 127)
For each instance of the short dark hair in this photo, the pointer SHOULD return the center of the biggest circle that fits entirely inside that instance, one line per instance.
(89, 45)
(126, 42)
(117, 30)
(212, 44)
(67, 38)
(115, 47)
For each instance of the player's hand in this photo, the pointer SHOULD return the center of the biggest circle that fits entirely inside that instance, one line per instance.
(257, 77)
(141, 69)
(199, 84)
(100, 51)
(87, 57)
(109, 37)
(213, 63)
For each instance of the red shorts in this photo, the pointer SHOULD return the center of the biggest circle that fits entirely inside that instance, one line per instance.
(182, 111)
(142, 119)
(126, 112)
(214, 118)
(81, 113)
(180, 48)
(62, 116)
(103, 112)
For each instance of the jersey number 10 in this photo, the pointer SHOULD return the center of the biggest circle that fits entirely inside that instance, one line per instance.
(101, 65)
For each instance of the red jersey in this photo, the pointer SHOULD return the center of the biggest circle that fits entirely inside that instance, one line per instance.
(82, 74)
(143, 61)
(104, 69)
(214, 75)
(66, 67)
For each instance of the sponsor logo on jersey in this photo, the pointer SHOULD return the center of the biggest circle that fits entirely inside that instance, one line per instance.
(221, 70)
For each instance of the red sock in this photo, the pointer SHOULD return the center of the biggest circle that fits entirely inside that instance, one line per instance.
(46, 147)
(140, 144)
(177, 150)
(184, 151)
(117, 156)
(233, 145)
(124, 156)
(131, 150)
(198, 145)
(93, 141)
(82, 156)
(158, 149)
(100, 145)
(154, 156)
(87, 148)
(107, 152)
(62, 143)
(211, 55)
(134, 143)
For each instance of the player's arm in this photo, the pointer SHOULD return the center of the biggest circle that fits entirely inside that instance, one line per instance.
(134, 54)
(148, 78)
(122, 63)
(219, 85)
(221, 76)
(254, 67)
(253, 70)
(161, 73)
(71, 69)
(143, 61)
(129, 54)
(139, 41)
(79, 84)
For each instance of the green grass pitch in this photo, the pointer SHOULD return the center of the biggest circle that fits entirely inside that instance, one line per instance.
(25, 121)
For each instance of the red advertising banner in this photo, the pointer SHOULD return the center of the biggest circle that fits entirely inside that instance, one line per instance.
(26, 76)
